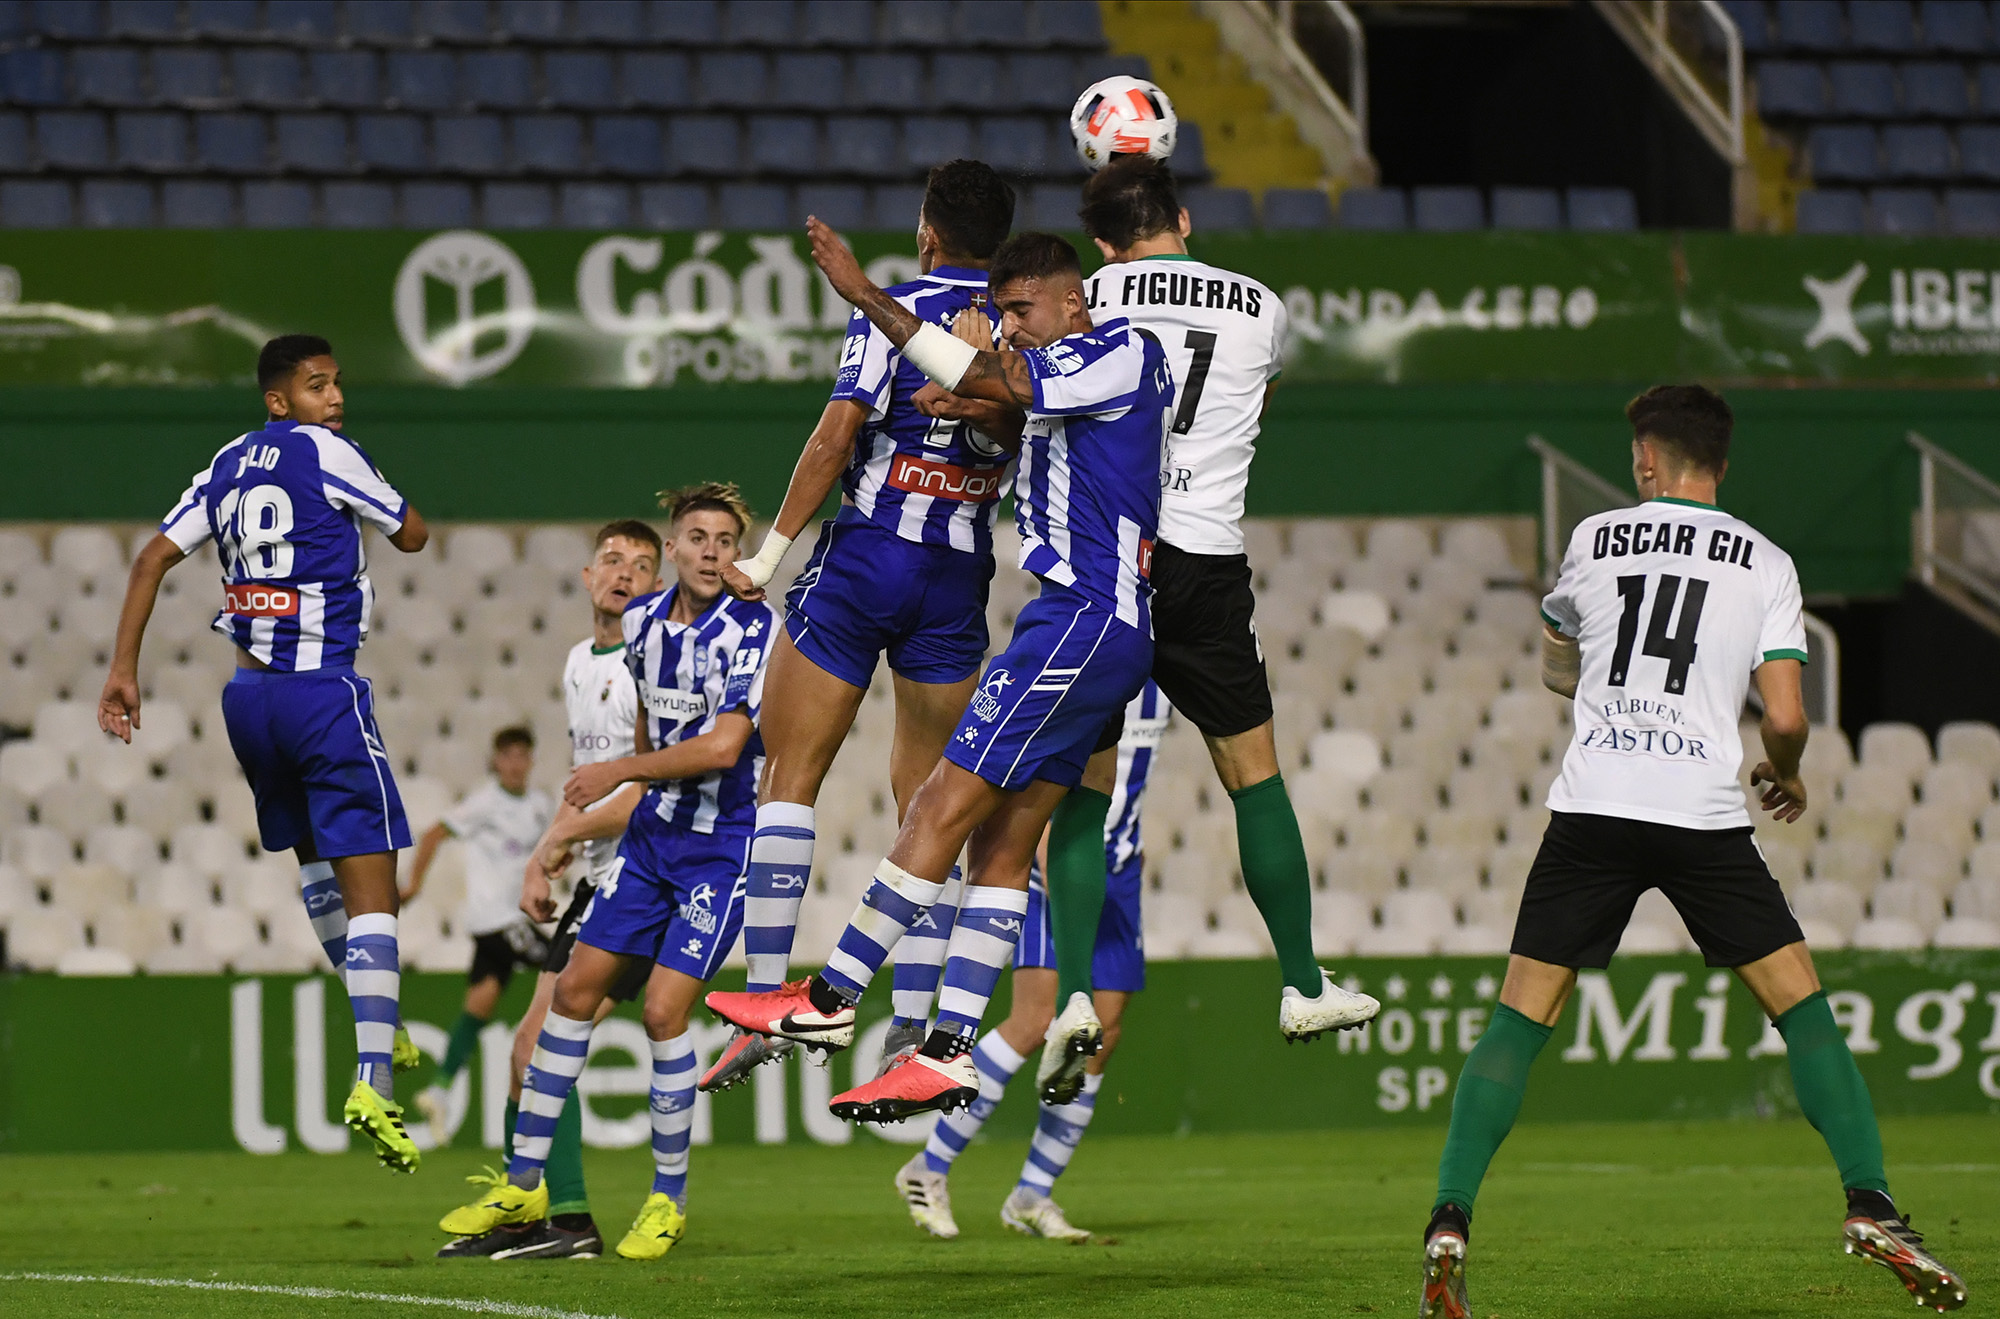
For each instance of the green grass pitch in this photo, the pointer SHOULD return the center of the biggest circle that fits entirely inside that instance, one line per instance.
(1709, 1219)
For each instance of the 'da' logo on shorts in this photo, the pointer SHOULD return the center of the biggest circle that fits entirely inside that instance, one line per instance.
(261, 601)
(986, 701)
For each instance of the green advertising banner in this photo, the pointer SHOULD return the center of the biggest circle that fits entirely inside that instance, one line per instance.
(262, 1064)
(688, 310)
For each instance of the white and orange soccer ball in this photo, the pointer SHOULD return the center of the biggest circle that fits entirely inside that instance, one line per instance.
(1122, 116)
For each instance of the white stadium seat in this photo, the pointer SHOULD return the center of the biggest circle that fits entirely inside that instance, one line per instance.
(37, 939)
(73, 807)
(1967, 932)
(31, 766)
(1399, 541)
(558, 548)
(1974, 744)
(480, 546)
(1901, 747)
(1364, 613)
(1830, 901)
(37, 851)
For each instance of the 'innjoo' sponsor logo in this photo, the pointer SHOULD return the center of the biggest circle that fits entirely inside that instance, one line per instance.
(967, 485)
(260, 601)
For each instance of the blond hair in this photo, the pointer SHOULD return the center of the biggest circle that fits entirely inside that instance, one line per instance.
(722, 496)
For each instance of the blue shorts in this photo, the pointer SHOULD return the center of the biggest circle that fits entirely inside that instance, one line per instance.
(1118, 962)
(1070, 670)
(310, 748)
(866, 590)
(673, 896)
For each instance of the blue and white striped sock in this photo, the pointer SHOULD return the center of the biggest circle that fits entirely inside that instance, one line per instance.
(888, 908)
(321, 895)
(982, 946)
(672, 1101)
(920, 957)
(781, 855)
(374, 980)
(1056, 1135)
(552, 1071)
(997, 1062)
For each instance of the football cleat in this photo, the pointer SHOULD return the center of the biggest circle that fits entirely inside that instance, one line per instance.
(928, 1195)
(1073, 1038)
(921, 1085)
(545, 1240)
(432, 1105)
(1444, 1266)
(403, 1055)
(898, 1044)
(741, 1056)
(786, 1012)
(501, 1204)
(381, 1121)
(487, 1245)
(658, 1228)
(1875, 1231)
(1036, 1215)
(1302, 1018)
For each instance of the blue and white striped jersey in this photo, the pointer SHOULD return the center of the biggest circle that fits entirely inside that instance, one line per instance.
(285, 506)
(689, 675)
(928, 480)
(1145, 724)
(1087, 495)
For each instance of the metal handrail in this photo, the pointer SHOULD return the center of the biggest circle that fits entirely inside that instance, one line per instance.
(1353, 111)
(1722, 124)
(1357, 63)
(1929, 562)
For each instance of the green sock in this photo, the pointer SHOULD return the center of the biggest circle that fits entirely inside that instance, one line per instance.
(565, 1168)
(511, 1116)
(464, 1039)
(1832, 1093)
(1274, 870)
(1076, 887)
(1488, 1100)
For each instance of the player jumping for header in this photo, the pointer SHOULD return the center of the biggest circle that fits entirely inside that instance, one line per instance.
(1679, 603)
(285, 506)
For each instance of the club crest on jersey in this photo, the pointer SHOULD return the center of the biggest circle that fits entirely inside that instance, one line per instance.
(986, 701)
(604, 695)
(1060, 358)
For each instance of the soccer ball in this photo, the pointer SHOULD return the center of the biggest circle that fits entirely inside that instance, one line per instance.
(1122, 116)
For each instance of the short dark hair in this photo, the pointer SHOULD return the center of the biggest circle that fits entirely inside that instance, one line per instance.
(969, 207)
(1032, 256)
(720, 496)
(280, 357)
(514, 735)
(1131, 198)
(626, 529)
(1691, 420)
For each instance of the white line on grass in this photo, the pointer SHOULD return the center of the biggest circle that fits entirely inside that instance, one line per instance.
(470, 1306)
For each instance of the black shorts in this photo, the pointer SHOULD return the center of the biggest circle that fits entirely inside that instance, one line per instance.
(1591, 870)
(1205, 652)
(496, 954)
(631, 982)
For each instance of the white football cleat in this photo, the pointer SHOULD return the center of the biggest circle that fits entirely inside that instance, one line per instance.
(435, 1106)
(928, 1195)
(1302, 1018)
(1038, 1216)
(1073, 1037)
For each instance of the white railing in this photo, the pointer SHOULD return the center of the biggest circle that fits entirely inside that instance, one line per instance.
(1681, 42)
(1353, 98)
(1313, 57)
(1957, 532)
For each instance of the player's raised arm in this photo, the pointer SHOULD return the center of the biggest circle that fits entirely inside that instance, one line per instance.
(826, 455)
(118, 706)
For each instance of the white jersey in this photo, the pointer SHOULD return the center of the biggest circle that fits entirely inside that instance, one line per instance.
(603, 707)
(1674, 604)
(499, 831)
(1224, 336)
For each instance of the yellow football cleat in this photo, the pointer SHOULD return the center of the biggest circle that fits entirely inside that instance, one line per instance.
(660, 1225)
(403, 1055)
(381, 1120)
(499, 1205)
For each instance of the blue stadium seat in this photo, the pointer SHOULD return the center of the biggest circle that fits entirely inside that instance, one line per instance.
(760, 22)
(516, 205)
(1844, 152)
(1811, 25)
(925, 23)
(1972, 212)
(1862, 91)
(303, 21)
(1296, 208)
(433, 205)
(879, 81)
(497, 80)
(1831, 211)
(1041, 82)
(807, 80)
(350, 204)
(579, 80)
(1753, 23)
(1957, 27)
(1048, 207)
(1075, 24)
(594, 205)
(151, 140)
(1936, 88)
(345, 79)
(842, 205)
(838, 22)
(283, 204)
(731, 78)
(453, 20)
(1374, 208)
(1447, 210)
(268, 78)
(896, 206)
(143, 20)
(189, 78)
(469, 144)
(1979, 152)
(197, 204)
(1014, 144)
(1787, 89)
(1986, 87)
(1219, 210)
(312, 143)
(704, 144)
(862, 146)
(116, 204)
(1001, 23)
(391, 143)
(933, 139)
(627, 144)
(1601, 210)
(230, 143)
(229, 20)
(1190, 156)
(1902, 211)
(73, 139)
(13, 20)
(33, 77)
(968, 81)
(382, 22)
(422, 80)
(16, 155)
(548, 143)
(35, 204)
(536, 20)
(1527, 208)
(1917, 151)
(1096, 68)
(613, 22)
(655, 79)
(753, 206)
(1885, 25)
(783, 144)
(107, 75)
(72, 20)
(674, 206)
(685, 22)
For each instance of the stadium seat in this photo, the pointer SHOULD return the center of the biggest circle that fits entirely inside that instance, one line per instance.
(1811, 25)
(732, 79)
(594, 206)
(344, 79)
(421, 80)
(1899, 747)
(277, 205)
(35, 204)
(674, 206)
(1601, 210)
(1955, 26)
(1844, 152)
(197, 204)
(106, 76)
(116, 204)
(33, 77)
(267, 78)
(753, 206)
(579, 80)
(837, 22)
(230, 143)
(311, 143)
(1917, 151)
(1883, 25)
(1938, 90)
(1753, 23)
(760, 22)
(785, 145)
(1217, 210)
(1048, 206)
(454, 20)
(894, 205)
(1447, 210)
(1041, 82)
(864, 146)
(302, 21)
(39, 938)
(353, 205)
(151, 141)
(1831, 211)
(191, 78)
(703, 144)
(1296, 208)
(15, 152)
(886, 80)
(547, 143)
(1902, 211)
(933, 139)
(925, 23)
(1970, 743)
(964, 80)
(1190, 155)
(1979, 152)
(842, 205)
(230, 20)
(807, 80)
(1072, 23)
(1862, 90)
(469, 144)
(1791, 90)
(1374, 208)
(497, 80)
(390, 143)
(655, 79)
(72, 139)
(542, 20)
(627, 144)
(1966, 932)
(1527, 208)
(1013, 144)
